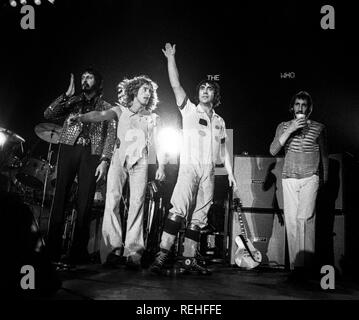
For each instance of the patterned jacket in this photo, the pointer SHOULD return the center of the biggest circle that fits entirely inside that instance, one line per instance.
(102, 134)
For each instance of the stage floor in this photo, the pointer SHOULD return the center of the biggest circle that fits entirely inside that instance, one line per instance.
(96, 282)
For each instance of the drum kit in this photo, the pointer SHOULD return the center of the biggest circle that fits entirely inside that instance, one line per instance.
(32, 178)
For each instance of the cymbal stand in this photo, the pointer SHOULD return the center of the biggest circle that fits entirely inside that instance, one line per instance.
(49, 154)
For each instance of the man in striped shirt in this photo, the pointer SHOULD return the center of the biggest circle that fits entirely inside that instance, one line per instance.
(305, 169)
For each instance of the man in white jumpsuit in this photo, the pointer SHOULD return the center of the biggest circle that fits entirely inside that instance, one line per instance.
(204, 145)
(136, 130)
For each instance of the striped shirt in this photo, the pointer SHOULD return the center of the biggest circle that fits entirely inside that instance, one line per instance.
(305, 150)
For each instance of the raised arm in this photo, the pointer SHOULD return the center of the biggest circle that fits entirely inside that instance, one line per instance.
(173, 75)
(62, 105)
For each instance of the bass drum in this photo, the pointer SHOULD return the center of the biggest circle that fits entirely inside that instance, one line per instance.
(33, 173)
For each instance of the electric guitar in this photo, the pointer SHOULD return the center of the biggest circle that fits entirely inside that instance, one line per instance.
(246, 255)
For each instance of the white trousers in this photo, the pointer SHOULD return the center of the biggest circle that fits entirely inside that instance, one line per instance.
(193, 191)
(299, 196)
(112, 232)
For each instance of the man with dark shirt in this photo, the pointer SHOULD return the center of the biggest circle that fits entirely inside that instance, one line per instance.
(85, 150)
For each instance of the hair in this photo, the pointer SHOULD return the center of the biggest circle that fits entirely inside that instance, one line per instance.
(217, 92)
(303, 95)
(128, 89)
(98, 78)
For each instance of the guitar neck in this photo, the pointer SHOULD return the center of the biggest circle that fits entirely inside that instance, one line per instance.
(241, 225)
(238, 206)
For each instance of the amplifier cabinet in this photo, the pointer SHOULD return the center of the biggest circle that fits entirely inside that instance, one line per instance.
(259, 181)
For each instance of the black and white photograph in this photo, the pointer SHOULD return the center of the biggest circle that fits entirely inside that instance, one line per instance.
(179, 156)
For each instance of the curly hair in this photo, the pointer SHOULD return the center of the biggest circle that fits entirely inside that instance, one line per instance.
(127, 90)
(217, 92)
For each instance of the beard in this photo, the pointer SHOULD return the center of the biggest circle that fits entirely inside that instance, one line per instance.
(86, 88)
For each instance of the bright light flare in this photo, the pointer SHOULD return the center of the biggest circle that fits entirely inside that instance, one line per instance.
(169, 140)
(2, 139)
(13, 3)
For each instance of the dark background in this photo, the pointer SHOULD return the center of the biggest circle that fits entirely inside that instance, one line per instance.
(247, 43)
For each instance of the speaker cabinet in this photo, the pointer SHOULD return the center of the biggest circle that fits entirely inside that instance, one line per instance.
(267, 233)
(335, 179)
(339, 242)
(259, 181)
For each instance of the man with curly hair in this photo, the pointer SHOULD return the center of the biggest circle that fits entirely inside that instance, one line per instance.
(137, 127)
(204, 143)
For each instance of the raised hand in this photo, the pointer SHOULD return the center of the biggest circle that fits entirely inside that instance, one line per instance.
(169, 50)
(71, 90)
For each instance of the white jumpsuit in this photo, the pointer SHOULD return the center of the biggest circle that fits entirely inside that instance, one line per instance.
(203, 146)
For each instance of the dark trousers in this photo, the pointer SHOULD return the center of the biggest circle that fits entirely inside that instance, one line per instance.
(72, 160)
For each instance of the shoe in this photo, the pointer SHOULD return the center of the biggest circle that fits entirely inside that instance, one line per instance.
(114, 261)
(162, 257)
(78, 258)
(63, 266)
(191, 264)
(133, 263)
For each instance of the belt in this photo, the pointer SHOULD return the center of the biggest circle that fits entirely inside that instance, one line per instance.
(83, 141)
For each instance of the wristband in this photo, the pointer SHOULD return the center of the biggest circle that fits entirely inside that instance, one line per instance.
(105, 159)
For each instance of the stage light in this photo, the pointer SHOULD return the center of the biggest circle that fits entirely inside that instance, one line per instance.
(51, 1)
(23, 2)
(2, 139)
(37, 2)
(13, 3)
(170, 140)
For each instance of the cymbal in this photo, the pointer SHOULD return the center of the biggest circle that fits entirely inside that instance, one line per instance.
(49, 132)
(12, 136)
